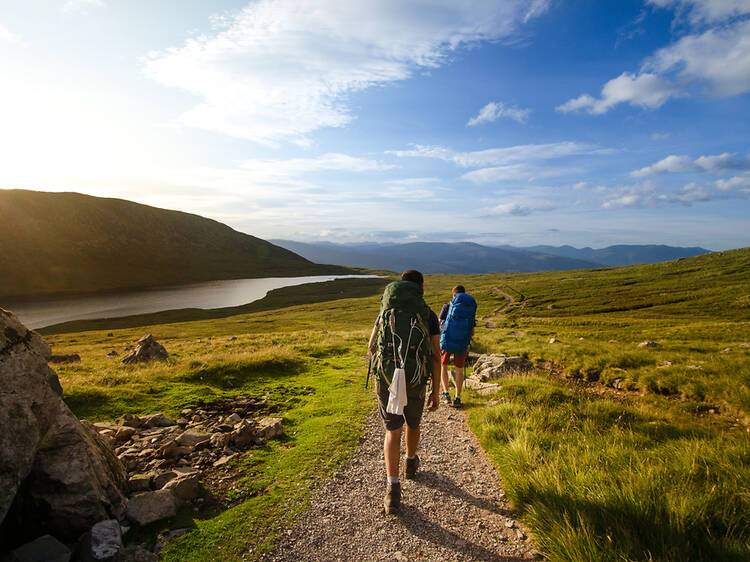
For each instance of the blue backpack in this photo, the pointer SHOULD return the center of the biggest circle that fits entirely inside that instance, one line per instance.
(459, 324)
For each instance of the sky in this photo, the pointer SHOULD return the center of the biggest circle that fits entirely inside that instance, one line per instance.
(519, 122)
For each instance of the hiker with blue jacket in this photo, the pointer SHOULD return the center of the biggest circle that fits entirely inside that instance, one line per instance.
(405, 351)
(457, 321)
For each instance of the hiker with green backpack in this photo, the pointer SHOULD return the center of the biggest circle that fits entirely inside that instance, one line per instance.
(404, 354)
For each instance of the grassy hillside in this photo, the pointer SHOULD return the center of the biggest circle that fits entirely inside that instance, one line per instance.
(613, 454)
(67, 242)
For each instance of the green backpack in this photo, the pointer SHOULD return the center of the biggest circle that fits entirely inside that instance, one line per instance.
(403, 334)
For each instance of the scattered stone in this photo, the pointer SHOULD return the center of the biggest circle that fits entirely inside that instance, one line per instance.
(110, 335)
(270, 428)
(124, 433)
(182, 422)
(72, 358)
(244, 434)
(139, 483)
(490, 367)
(156, 420)
(220, 440)
(147, 349)
(112, 354)
(44, 549)
(726, 350)
(161, 480)
(104, 541)
(554, 340)
(148, 507)
(185, 487)
(233, 338)
(224, 460)
(131, 421)
(193, 439)
(648, 343)
(613, 341)
(745, 345)
(234, 418)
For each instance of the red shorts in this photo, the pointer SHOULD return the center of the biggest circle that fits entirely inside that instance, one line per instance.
(459, 359)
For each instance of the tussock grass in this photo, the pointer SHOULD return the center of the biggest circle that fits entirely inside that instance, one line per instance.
(597, 479)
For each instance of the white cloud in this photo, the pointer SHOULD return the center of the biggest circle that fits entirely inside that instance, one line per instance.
(7, 36)
(494, 110)
(634, 196)
(81, 5)
(280, 69)
(326, 162)
(512, 209)
(660, 136)
(718, 58)
(644, 90)
(676, 164)
(501, 156)
(707, 11)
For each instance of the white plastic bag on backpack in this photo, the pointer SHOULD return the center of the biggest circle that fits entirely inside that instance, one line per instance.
(397, 390)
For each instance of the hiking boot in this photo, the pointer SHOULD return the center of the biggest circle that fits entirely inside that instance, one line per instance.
(392, 500)
(447, 398)
(457, 402)
(412, 465)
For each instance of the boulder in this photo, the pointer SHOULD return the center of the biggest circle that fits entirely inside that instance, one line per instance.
(493, 366)
(156, 420)
(103, 542)
(648, 343)
(137, 553)
(139, 483)
(147, 349)
(148, 507)
(193, 439)
(245, 434)
(57, 476)
(184, 488)
(270, 428)
(44, 549)
(161, 480)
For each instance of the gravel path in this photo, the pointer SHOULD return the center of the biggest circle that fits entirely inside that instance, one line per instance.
(454, 509)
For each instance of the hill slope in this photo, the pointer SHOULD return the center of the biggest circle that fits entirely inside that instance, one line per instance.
(68, 242)
(435, 257)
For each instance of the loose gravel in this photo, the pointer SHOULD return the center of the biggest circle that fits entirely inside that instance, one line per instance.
(455, 509)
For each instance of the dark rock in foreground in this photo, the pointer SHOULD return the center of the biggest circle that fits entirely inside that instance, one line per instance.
(57, 477)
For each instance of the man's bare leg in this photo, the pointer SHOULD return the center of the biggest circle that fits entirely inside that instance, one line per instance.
(459, 380)
(392, 451)
(444, 378)
(412, 441)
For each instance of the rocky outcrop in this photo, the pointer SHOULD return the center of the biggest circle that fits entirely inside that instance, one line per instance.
(147, 349)
(490, 367)
(57, 477)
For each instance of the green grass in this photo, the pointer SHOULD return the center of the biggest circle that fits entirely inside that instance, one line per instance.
(598, 479)
(656, 471)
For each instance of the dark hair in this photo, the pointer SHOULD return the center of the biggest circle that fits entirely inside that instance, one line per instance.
(414, 276)
(459, 289)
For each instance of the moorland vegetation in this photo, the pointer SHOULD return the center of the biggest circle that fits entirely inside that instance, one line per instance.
(608, 451)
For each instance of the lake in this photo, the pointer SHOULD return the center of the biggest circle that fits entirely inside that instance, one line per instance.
(208, 295)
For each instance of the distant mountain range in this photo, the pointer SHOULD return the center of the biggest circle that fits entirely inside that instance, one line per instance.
(68, 242)
(467, 257)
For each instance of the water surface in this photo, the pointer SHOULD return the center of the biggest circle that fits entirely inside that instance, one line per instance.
(208, 295)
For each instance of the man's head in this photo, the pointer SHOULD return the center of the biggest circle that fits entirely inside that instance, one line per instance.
(414, 276)
(458, 289)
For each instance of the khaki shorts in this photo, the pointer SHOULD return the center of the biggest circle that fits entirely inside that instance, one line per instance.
(412, 411)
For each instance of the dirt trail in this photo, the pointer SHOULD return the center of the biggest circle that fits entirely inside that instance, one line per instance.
(488, 322)
(454, 510)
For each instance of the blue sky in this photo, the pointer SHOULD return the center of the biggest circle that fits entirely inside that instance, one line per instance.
(519, 122)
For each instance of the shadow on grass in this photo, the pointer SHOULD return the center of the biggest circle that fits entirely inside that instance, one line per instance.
(236, 375)
(633, 533)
